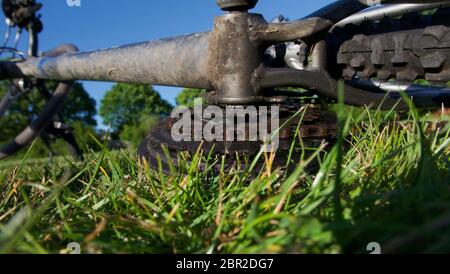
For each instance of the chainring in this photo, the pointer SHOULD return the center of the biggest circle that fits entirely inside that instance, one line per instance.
(161, 151)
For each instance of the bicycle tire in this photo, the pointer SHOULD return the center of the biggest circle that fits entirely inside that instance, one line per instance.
(412, 47)
(50, 110)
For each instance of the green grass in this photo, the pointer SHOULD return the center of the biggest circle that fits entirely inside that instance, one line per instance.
(388, 183)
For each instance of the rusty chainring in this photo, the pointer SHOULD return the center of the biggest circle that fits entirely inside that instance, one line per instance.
(317, 126)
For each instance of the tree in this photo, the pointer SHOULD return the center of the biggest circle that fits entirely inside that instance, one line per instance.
(135, 132)
(126, 104)
(187, 96)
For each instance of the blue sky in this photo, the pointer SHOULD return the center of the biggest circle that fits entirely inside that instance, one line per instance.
(106, 23)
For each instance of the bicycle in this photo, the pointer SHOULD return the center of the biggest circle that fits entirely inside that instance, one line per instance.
(377, 52)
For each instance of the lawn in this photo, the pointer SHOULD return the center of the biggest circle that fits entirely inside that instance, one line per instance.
(386, 180)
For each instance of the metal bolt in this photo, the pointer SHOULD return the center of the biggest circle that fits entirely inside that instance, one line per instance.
(236, 5)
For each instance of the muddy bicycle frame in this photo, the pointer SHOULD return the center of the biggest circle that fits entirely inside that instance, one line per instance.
(226, 61)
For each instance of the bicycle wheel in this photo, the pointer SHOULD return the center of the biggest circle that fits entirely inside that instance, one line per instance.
(46, 119)
(412, 47)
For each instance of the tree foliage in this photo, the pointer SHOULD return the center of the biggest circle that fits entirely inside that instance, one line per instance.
(187, 96)
(131, 110)
(134, 133)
